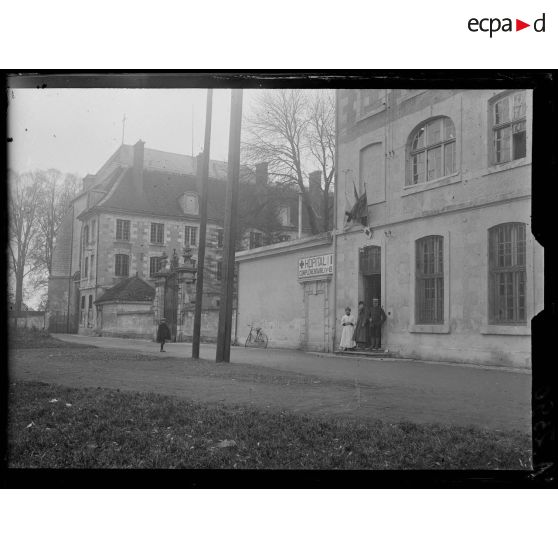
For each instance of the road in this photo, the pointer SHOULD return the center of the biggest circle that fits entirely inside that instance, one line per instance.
(390, 389)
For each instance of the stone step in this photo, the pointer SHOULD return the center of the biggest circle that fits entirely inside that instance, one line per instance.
(371, 354)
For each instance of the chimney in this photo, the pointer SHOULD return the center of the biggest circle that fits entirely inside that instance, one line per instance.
(315, 183)
(138, 167)
(88, 181)
(261, 175)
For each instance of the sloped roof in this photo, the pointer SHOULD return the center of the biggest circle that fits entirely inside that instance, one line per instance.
(173, 163)
(132, 289)
(161, 195)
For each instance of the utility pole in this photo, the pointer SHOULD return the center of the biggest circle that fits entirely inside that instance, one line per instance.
(203, 227)
(227, 288)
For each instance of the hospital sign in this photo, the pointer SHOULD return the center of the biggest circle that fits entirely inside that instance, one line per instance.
(315, 267)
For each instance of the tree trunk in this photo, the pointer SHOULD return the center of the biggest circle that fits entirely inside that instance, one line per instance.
(19, 286)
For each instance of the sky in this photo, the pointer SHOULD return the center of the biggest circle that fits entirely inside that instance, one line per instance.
(77, 130)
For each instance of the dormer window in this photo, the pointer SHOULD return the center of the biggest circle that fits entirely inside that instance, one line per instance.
(189, 204)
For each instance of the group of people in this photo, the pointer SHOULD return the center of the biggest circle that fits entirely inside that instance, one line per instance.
(364, 331)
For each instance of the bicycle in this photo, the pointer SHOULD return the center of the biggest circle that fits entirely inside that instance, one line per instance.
(259, 339)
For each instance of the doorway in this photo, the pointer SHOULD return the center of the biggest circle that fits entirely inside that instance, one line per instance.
(370, 269)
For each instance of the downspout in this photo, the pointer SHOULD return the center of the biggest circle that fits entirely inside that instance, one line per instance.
(333, 337)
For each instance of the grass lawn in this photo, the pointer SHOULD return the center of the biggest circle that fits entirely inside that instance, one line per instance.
(52, 426)
(23, 338)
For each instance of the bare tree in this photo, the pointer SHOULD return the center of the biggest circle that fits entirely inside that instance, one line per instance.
(277, 134)
(38, 202)
(24, 201)
(321, 141)
(56, 193)
(258, 208)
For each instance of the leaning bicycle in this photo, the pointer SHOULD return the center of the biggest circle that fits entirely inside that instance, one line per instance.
(256, 338)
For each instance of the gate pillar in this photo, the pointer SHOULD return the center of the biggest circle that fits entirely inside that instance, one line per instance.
(186, 299)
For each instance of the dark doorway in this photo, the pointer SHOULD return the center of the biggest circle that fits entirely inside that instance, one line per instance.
(370, 258)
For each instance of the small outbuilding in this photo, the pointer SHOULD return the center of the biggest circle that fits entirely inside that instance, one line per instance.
(126, 310)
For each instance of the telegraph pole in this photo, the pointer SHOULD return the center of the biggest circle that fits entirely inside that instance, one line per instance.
(203, 227)
(224, 330)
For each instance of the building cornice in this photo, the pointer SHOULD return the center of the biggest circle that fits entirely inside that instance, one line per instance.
(322, 239)
(468, 206)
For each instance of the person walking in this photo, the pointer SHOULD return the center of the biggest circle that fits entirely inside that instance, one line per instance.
(377, 318)
(163, 333)
(362, 325)
(348, 325)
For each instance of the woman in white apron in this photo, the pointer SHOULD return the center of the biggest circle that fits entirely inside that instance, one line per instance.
(348, 325)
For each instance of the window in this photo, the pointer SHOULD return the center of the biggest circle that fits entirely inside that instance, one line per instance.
(507, 274)
(190, 236)
(86, 234)
(155, 264)
(256, 239)
(93, 230)
(122, 229)
(509, 127)
(371, 99)
(157, 233)
(86, 268)
(121, 265)
(82, 311)
(429, 297)
(92, 265)
(192, 204)
(189, 204)
(220, 238)
(219, 270)
(432, 151)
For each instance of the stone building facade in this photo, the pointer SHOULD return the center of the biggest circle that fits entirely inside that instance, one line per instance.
(448, 249)
(139, 210)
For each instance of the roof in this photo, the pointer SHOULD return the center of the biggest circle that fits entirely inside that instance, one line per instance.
(172, 163)
(132, 289)
(161, 195)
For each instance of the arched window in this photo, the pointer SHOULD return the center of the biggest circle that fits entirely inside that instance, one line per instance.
(432, 151)
(429, 277)
(507, 273)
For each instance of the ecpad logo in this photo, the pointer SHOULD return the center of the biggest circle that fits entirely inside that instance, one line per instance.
(494, 24)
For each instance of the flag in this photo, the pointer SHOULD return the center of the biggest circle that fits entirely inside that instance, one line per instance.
(359, 211)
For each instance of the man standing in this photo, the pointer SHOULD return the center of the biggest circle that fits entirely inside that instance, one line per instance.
(361, 329)
(377, 318)
(163, 333)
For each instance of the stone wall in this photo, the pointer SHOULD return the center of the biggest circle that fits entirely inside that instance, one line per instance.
(270, 295)
(133, 320)
(27, 320)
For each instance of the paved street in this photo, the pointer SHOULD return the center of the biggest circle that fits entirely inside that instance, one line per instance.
(363, 387)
